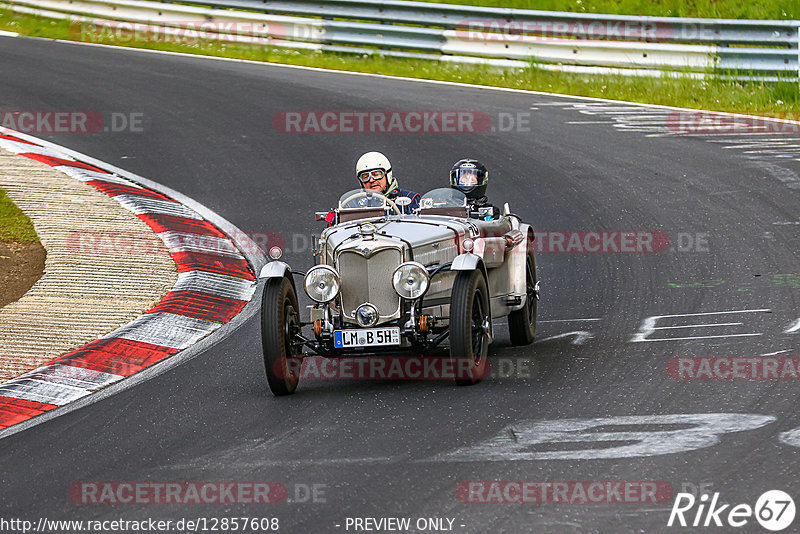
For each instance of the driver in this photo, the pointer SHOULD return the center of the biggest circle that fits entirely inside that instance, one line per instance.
(374, 172)
(471, 178)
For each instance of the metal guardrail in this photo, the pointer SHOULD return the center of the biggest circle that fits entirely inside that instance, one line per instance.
(765, 50)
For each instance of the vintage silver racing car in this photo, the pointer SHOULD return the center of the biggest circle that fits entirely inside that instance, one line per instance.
(385, 281)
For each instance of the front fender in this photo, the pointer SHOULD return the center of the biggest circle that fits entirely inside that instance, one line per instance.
(472, 262)
(275, 269)
(466, 262)
(469, 262)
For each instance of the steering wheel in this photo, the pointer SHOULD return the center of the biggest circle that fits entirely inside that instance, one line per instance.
(367, 194)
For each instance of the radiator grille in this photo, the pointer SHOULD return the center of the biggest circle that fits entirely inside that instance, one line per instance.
(369, 280)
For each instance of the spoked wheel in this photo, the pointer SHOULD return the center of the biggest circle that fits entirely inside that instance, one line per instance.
(469, 327)
(522, 323)
(279, 322)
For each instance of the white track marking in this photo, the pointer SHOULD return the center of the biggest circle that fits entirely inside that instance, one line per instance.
(648, 326)
(216, 284)
(776, 353)
(23, 148)
(738, 137)
(322, 461)
(794, 327)
(70, 375)
(761, 144)
(581, 337)
(39, 391)
(786, 149)
(140, 205)
(86, 175)
(209, 244)
(166, 330)
(762, 310)
(690, 338)
(57, 384)
(790, 437)
(662, 123)
(571, 320)
(696, 326)
(513, 443)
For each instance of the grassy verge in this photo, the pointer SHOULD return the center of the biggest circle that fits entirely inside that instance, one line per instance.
(715, 9)
(774, 99)
(14, 225)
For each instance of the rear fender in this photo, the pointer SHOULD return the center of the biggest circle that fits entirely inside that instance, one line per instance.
(517, 258)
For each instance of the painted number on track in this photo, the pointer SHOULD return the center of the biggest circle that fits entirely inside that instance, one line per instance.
(602, 441)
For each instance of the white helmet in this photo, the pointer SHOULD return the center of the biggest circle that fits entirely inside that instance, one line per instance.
(373, 161)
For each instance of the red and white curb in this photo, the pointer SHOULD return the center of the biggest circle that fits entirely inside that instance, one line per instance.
(215, 282)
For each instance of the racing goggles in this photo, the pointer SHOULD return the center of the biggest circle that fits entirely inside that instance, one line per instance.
(368, 176)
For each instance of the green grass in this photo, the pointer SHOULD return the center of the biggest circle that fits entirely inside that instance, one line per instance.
(724, 9)
(14, 225)
(772, 99)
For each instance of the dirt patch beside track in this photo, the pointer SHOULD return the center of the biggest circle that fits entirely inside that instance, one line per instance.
(21, 265)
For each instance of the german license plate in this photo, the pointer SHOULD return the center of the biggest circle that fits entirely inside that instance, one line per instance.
(366, 337)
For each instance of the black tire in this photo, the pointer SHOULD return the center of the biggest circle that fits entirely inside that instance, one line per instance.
(279, 317)
(469, 316)
(522, 323)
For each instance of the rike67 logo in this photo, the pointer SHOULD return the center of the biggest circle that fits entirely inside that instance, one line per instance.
(774, 510)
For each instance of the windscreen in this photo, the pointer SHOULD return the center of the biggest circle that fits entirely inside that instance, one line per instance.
(361, 198)
(443, 197)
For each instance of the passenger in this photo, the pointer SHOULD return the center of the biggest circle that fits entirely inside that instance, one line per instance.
(374, 172)
(471, 178)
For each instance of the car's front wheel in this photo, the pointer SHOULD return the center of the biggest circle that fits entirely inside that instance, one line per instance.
(469, 327)
(279, 322)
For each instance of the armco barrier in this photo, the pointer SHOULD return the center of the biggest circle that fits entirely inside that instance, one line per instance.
(765, 50)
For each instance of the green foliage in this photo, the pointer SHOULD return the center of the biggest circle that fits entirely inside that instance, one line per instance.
(14, 225)
(715, 9)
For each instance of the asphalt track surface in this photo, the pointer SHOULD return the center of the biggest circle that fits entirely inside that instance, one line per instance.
(401, 448)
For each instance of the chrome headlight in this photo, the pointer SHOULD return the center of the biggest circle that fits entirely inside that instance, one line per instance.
(410, 280)
(367, 315)
(322, 283)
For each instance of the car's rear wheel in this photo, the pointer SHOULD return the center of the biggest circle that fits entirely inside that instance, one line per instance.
(469, 327)
(279, 321)
(522, 322)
